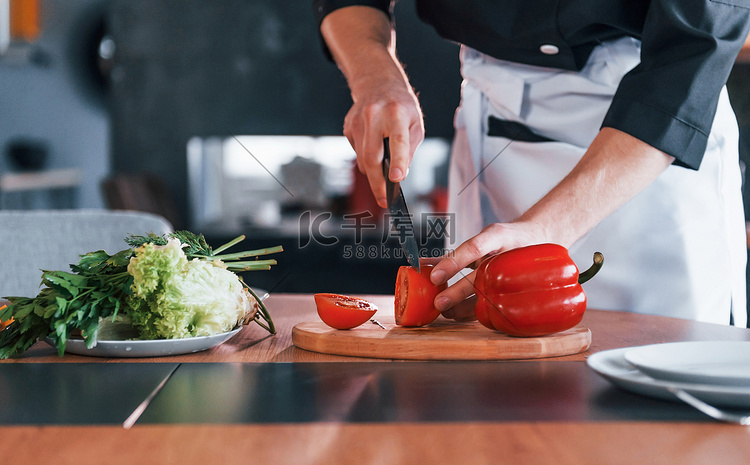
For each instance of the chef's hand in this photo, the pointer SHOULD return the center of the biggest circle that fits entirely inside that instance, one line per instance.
(386, 107)
(457, 302)
(362, 42)
(615, 168)
(462, 311)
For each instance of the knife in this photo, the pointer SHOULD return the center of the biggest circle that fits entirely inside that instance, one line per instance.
(401, 219)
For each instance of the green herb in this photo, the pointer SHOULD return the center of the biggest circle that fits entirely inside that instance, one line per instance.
(100, 286)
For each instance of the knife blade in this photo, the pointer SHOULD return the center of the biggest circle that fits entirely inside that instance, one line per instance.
(401, 219)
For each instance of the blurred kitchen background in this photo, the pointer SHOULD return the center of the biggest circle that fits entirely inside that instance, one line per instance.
(225, 117)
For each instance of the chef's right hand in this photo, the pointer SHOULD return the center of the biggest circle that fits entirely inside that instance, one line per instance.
(384, 107)
(362, 41)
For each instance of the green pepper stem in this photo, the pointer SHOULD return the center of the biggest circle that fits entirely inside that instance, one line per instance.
(588, 274)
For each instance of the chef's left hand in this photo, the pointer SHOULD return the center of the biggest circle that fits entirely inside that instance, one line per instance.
(457, 302)
(615, 168)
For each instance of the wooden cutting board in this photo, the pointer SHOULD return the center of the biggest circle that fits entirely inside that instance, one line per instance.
(442, 340)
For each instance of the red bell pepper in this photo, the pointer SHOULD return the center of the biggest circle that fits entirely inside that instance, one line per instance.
(531, 291)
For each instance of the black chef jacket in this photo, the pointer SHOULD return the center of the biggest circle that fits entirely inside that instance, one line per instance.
(668, 101)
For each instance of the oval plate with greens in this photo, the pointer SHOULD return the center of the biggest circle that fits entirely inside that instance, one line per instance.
(147, 348)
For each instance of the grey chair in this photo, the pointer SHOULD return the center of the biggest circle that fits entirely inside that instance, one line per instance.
(35, 240)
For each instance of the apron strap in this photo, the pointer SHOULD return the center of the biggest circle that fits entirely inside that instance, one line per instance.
(513, 130)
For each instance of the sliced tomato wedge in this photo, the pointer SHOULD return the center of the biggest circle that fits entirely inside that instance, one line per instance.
(415, 296)
(342, 311)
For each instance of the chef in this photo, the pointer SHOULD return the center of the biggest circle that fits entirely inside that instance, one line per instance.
(600, 125)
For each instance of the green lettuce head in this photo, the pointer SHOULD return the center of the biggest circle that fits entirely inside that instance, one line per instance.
(174, 297)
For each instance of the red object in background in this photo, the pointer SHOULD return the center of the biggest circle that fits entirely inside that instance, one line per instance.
(343, 312)
(24, 19)
(362, 199)
(531, 291)
(415, 296)
(439, 199)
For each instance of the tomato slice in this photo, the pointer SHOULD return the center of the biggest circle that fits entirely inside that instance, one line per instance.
(342, 311)
(415, 296)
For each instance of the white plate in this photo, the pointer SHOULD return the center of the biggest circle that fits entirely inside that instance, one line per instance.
(706, 362)
(612, 365)
(151, 348)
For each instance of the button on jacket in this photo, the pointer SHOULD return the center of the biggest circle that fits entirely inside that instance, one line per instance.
(668, 100)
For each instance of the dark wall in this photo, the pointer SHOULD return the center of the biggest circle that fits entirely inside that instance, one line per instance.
(188, 68)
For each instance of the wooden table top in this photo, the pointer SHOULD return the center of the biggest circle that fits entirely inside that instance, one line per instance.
(471, 442)
(610, 330)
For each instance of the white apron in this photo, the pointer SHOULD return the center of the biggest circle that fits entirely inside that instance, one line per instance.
(677, 249)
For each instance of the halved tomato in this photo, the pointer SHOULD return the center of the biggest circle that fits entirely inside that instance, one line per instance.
(342, 311)
(415, 296)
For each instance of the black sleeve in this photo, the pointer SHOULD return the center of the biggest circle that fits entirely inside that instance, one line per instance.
(688, 49)
(321, 8)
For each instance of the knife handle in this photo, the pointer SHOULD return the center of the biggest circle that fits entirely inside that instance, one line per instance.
(390, 187)
(386, 158)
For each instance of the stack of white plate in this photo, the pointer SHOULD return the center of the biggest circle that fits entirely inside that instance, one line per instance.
(717, 372)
